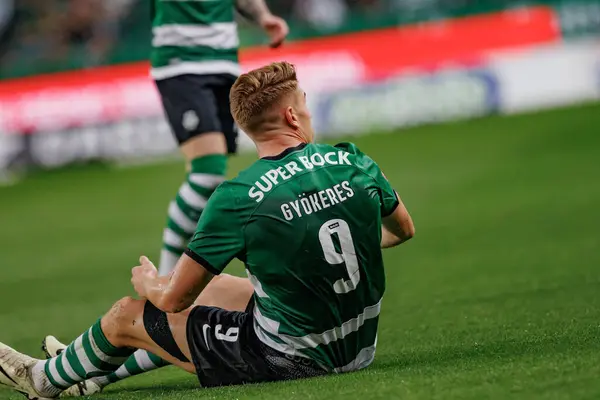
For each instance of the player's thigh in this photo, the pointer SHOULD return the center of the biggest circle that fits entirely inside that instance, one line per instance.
(228, 292)
(202, 145)
(223, 348)
(226, 350)
(192, 111)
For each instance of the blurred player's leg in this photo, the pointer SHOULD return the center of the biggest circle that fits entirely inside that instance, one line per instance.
(197, 107)
(207, 166)
(238, 292)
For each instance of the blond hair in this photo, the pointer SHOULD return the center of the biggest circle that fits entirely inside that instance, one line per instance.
(254, 93)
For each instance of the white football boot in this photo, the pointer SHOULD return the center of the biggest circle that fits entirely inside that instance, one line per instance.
(15, 372)
(52, 348)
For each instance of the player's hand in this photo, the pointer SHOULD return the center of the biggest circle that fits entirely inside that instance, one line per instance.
(276, 28)
(142, 274)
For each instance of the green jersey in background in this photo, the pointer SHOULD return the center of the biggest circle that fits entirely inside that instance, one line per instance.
(193, 37)
(307, 225)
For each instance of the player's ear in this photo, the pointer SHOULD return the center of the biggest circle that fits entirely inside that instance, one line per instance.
(291, 118)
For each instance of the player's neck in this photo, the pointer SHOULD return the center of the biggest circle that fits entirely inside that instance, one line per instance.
(277, 143)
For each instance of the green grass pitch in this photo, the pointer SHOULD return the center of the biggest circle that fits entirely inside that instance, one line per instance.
(497, 296)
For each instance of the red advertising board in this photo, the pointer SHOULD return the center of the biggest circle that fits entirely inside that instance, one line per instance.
(114, 93)
(386, 51)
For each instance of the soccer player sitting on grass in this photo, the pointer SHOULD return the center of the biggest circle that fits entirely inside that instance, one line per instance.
(307, 220)
(194, 65)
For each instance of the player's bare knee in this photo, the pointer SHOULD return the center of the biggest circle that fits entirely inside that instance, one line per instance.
(120, 319)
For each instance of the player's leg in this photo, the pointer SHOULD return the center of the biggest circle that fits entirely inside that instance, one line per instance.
(226, 350)
(224, 291)
(193, 113)
(130, 324)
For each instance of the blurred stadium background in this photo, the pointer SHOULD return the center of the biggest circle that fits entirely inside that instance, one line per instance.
(497, 297)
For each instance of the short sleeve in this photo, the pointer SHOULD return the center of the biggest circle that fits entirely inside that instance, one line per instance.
(219, 237)
(388, 197)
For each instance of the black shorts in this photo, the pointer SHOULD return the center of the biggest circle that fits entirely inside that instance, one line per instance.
(196, 104)
(226, 351)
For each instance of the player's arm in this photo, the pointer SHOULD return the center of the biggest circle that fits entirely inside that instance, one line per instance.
(254, 10)
(258, 12)
(397, 227)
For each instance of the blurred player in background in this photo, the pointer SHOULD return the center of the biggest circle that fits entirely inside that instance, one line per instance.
(316, 301)
(194, 63)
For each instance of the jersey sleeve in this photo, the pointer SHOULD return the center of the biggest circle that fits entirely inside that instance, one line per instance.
(219, 237)
(387, 195)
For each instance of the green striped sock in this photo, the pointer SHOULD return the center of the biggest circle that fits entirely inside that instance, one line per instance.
(141, 361)
(90, 355)
(184, 212)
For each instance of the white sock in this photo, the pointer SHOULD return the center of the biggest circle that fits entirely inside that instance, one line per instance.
(41, 383)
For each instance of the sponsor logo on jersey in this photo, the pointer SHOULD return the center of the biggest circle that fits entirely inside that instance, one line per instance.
(274, 177)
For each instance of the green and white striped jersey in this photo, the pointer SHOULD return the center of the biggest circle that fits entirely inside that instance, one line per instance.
(193, 37)
(307, 225)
